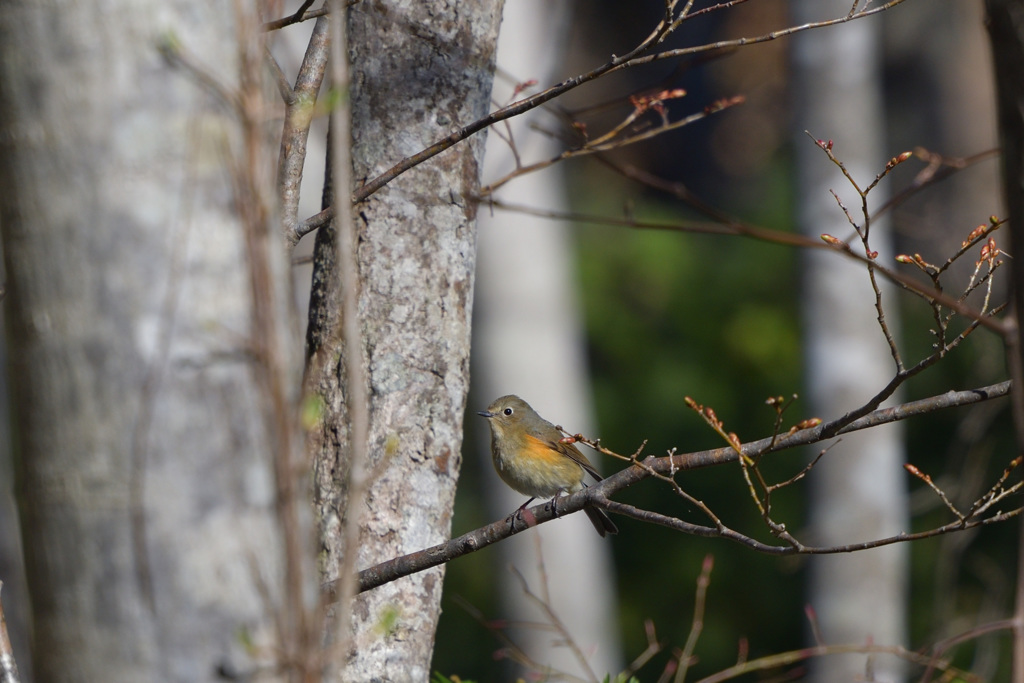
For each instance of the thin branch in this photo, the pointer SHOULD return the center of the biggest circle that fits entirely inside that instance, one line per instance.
(544, 604)
(794, 656)
(609, 142)
(697, 624)
(295, 134)
(739, 228)
(300, 15)
(938, 169)
(176, 55)
(940, 648)
(283, 86)
(314, 222)
(597, 495)
(634, 57)
(356, 381)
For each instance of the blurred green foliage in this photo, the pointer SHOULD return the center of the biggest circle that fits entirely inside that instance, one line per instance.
(672, 314)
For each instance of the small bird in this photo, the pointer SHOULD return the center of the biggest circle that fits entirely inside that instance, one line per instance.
(530, 456)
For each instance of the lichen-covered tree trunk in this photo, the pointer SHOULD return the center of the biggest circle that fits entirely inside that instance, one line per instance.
(419, 69)
(142, 448)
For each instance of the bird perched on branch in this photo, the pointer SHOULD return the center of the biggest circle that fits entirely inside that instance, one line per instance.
(532, 457)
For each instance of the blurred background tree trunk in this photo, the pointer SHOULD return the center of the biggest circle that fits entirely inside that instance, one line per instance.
(529, 337)
(857, 489)
(141, 417)
(1006, 32)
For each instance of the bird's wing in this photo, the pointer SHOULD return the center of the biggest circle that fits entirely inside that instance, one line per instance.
(573, 453)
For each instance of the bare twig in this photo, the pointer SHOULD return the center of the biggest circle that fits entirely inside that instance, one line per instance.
(737, 227)
(302, 14)
(938, 169)
(795, 656)
(314, 222)
(544, 604)
(297, 119)
(609, 142)
(697, 624)
(283, 86)
(597, 495)
(176, 54)
(634, 57)
(351, 332)
(270, 342)
(940, 648)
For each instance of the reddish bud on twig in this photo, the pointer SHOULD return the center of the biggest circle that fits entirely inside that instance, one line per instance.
(917, 473)
(903, 258)
(719, 105)
(872, 255)
(989, 251)
(568, 439)
(712, 418)
(520, 87)
(656, 101)
(742, 651)
(974, 234)
(834, 241)
(897, 160)
(808, 423)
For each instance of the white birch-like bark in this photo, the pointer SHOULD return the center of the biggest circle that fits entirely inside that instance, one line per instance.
(142, 443)
(858, 489)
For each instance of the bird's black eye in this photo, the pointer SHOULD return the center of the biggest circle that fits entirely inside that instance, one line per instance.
(508, 411)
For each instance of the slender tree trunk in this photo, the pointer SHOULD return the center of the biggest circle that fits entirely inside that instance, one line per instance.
(419, 69)
(858, 491)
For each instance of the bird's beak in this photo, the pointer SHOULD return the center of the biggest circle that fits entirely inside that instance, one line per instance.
(485, 413)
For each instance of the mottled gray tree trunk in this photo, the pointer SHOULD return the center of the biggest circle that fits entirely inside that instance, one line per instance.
(419, 69)
(142, 441)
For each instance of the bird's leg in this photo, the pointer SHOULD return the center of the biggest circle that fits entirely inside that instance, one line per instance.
(554, 503)
(518, 514)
